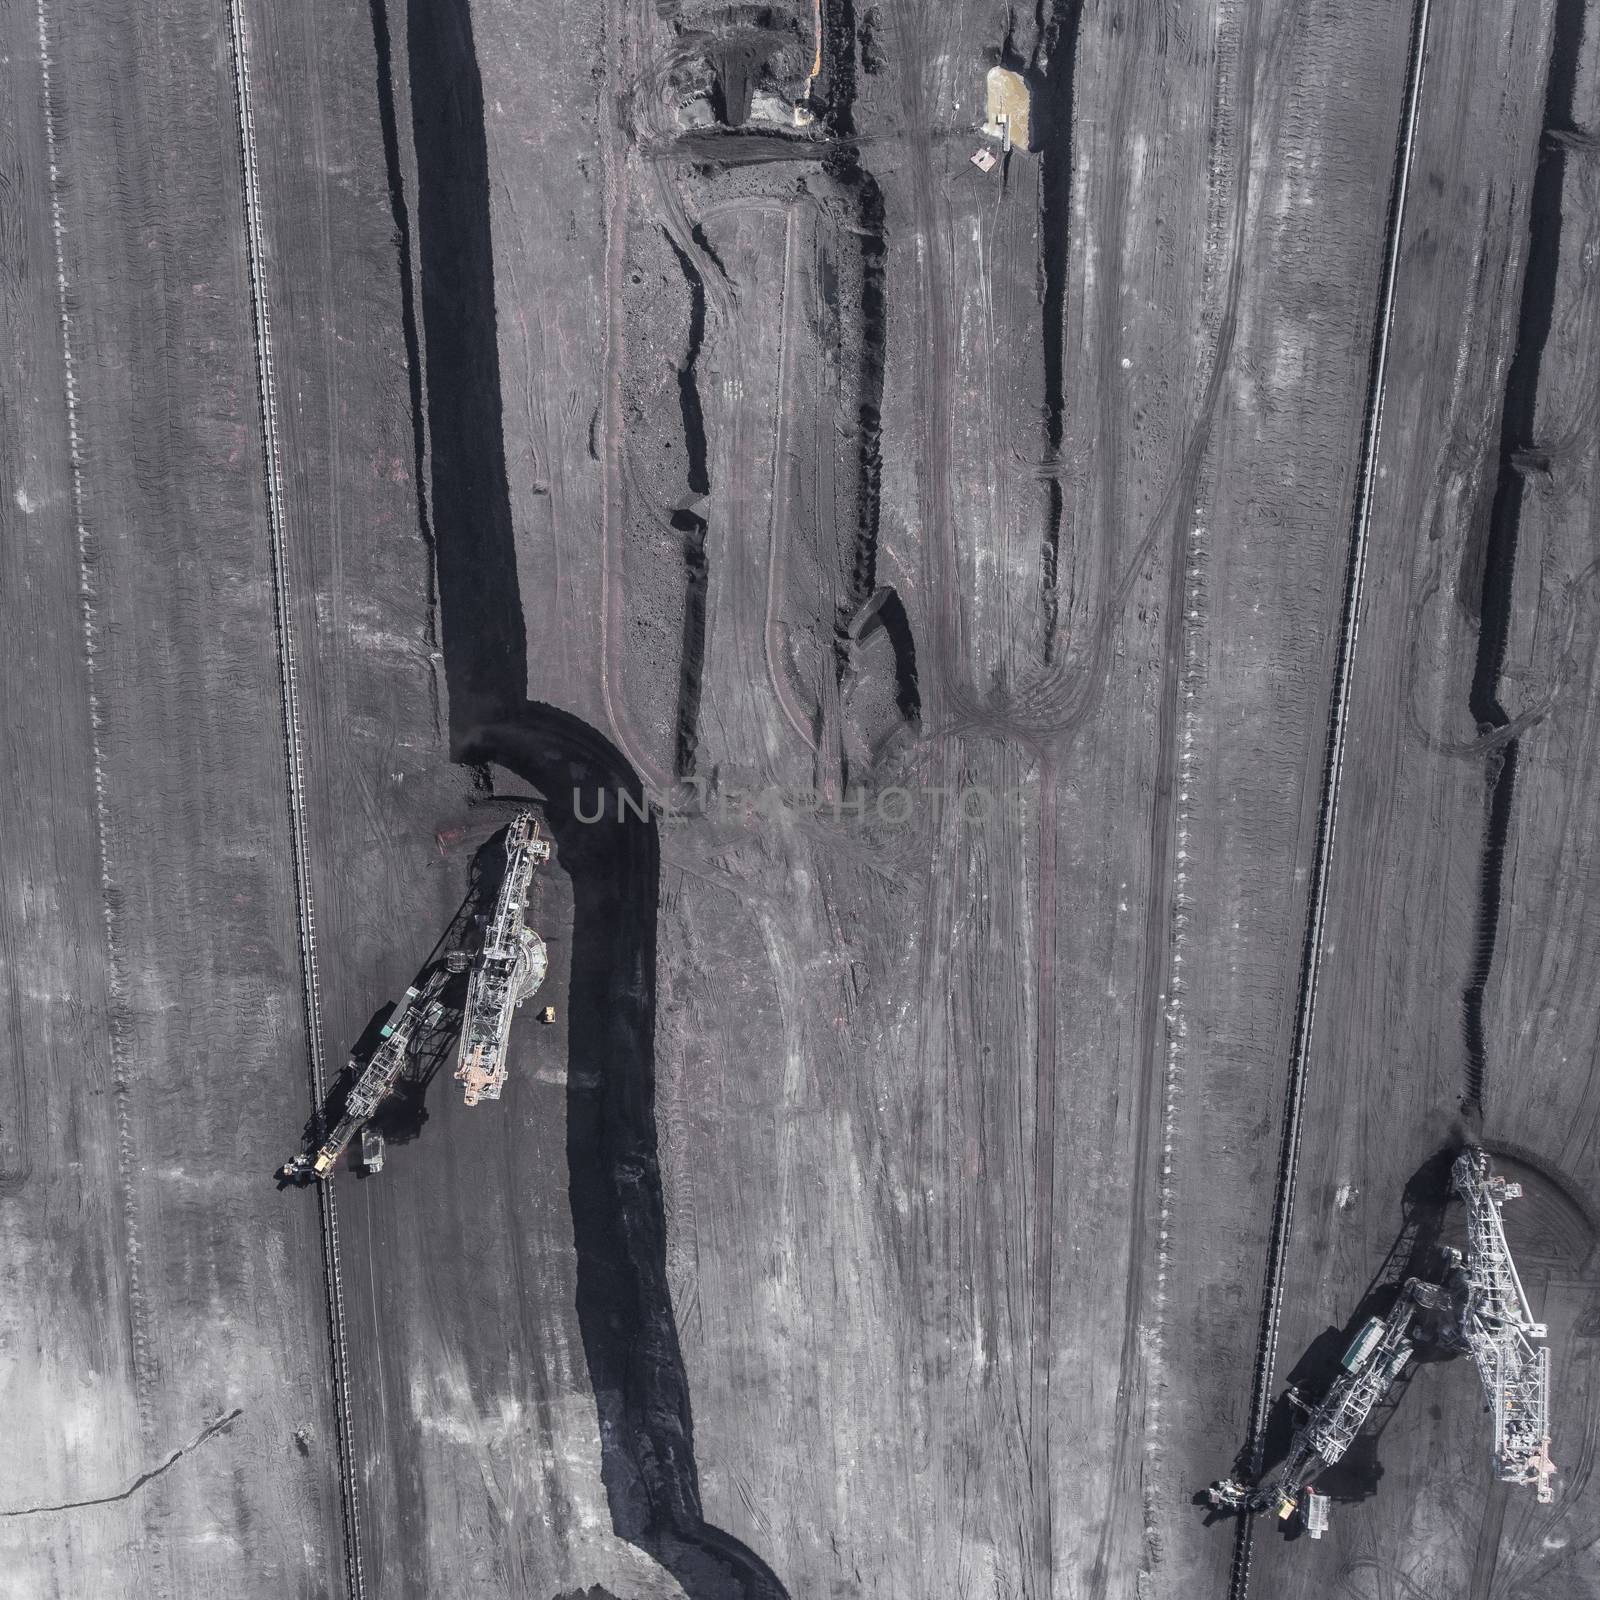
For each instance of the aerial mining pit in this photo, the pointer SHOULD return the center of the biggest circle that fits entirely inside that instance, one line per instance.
(909, 566)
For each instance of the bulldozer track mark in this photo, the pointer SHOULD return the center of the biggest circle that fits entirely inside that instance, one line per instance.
(621, 71)
(778, 521)
(1332, 771)
(137, 1308)
(1162, 982)
(283, 624)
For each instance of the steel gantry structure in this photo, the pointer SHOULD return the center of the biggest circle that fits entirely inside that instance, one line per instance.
(1480, 1306)
(1370, 1367)
(418, 1011)
(509, 967)
(1498, 1326)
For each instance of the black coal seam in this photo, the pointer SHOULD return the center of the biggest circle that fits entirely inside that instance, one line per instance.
(897, 625)
(624, 1301)
(1052, 76)
(869, 399)
(484, 637)
(1502, 782)
(694, 426)
(401, 214)
(697, 232)
(692, 655)
(838, 97)
(692, 652)
(844, 165)
(1518, 420)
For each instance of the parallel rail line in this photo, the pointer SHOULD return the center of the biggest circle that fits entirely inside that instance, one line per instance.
(1332, 772)
(283, 621)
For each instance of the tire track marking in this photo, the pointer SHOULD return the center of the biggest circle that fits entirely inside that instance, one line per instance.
(138, 1315)
(778, 514)
(1241, 64)
(1333, 767)
(621, 74)
(283, 623)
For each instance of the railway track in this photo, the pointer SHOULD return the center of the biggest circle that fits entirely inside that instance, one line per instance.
(283, 623)
(1332, 771)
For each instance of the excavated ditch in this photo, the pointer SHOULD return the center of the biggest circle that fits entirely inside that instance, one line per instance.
(1051, 75)
(624, 1303)
(692, 527)
(484, 640)
(848, 173)
(1496, 558)
(843, 166)
(400, 211)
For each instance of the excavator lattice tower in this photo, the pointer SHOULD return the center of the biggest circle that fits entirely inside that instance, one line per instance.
(1498, 1325)
(510, 966)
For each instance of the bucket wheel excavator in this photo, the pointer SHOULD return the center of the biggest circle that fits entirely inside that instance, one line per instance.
(1480, 1306)
(509, 968)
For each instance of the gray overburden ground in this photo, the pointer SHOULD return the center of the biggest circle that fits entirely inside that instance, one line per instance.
(415, 406)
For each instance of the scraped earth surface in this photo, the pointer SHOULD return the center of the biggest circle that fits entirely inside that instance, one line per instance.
(911, 597)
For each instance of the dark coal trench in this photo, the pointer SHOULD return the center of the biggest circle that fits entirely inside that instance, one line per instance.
(692, 526)
(389, 127)
(835, 94)
(1496, 556)
(624, 1305)
(1050, 77)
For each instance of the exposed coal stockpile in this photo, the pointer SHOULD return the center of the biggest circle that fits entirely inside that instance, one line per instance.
(1495, 556)
(625, 1312)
